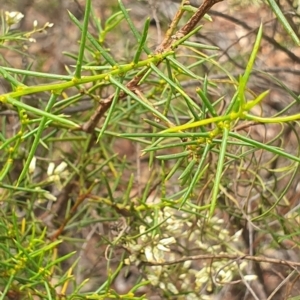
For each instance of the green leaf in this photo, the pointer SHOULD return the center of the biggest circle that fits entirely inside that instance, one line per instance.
(219, 171)
(83, 38)
(284, 21)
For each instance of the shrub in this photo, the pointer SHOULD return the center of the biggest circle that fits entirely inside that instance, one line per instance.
(152, 170)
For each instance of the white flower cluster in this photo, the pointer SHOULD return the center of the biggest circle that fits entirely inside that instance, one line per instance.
(216, 239)
(37, 29)
(165, 239)
(55, 175)
(13, 17)
(155, 248)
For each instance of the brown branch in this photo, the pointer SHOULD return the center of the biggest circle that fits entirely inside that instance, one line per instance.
(165, 45)
(73, 210)
(199, 14)
(168, 36)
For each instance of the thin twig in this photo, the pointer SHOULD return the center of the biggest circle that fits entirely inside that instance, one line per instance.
(73, 210)
(259, 259)
(281, 284)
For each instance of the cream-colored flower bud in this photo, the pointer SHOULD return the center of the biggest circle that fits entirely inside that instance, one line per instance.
(49, 196)
(32, 165)
(60, 168)
(50, 169)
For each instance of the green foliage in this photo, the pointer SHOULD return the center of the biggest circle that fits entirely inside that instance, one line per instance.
(192, 138)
